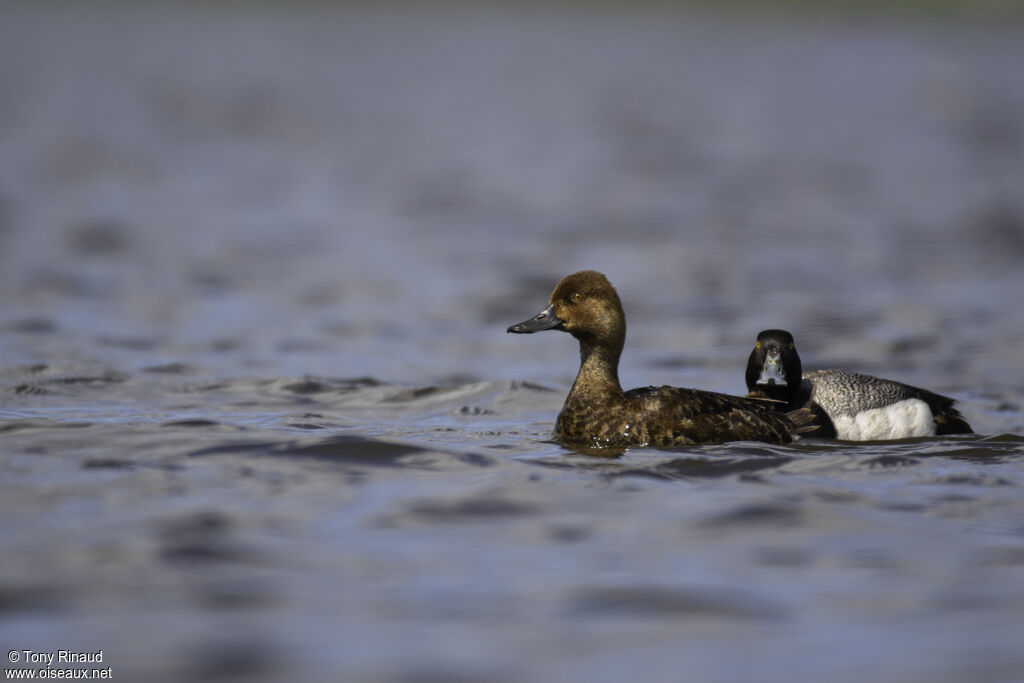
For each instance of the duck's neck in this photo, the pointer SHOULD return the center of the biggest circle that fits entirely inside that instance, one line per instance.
(787, 394)
(599, 370)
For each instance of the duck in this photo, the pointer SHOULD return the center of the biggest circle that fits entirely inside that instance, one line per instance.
(597, 412)
(847, 405)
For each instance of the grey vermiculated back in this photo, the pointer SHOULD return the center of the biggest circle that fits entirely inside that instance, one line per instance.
(843, 393)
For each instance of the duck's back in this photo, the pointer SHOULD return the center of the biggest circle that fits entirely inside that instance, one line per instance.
(863, 407)
(673, 416)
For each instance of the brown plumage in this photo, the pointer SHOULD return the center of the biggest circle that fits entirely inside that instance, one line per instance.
(598, 412)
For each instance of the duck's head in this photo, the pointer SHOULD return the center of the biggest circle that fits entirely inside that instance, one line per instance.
(774, 365)
(585, 305)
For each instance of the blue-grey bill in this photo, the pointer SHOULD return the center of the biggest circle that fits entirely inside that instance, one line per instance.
(545, 320)
(772, 372)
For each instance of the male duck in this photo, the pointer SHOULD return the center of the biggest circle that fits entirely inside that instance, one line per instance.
(847, 405)
(598, 412)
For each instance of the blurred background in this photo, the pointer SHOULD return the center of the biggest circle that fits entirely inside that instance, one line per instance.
(382, 190)
(225, 224)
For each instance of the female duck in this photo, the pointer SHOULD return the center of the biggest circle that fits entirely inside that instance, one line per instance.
(847, 405)
(598, 412)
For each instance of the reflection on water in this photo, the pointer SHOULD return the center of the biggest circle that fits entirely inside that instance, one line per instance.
(260, 419)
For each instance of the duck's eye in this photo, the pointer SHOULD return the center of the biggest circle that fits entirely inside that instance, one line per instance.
(790, 346)
(578, 297)
(757, 345)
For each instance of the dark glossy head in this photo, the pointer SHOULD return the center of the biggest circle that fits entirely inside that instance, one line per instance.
(773, 368)
(585, 305)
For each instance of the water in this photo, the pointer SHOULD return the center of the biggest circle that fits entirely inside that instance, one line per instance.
(260, 419)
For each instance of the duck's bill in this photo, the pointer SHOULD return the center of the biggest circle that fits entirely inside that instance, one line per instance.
(772, 373)
(545, 320)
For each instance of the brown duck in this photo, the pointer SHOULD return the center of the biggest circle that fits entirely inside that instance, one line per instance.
(598, 412)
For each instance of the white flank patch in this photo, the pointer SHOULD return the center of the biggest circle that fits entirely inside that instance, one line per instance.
(902, 420)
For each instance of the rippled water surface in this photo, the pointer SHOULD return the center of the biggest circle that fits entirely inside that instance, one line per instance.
(259, 417)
